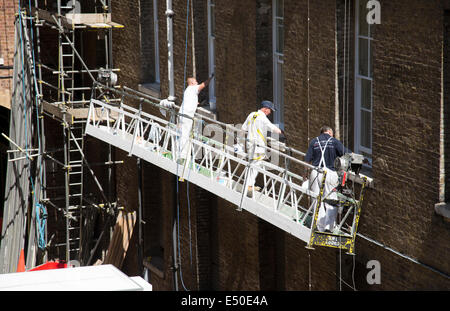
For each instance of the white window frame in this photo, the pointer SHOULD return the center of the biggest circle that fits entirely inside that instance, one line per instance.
(358, 81)
(278, 60)
(211, 54)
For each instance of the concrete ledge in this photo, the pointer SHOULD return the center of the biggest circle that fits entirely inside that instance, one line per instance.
(443, 209)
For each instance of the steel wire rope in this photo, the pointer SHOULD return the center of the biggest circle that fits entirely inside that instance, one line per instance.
(347, 106)
(193, 121)
(179, 134)
(347, 77)
(308, 112)
(344, 127)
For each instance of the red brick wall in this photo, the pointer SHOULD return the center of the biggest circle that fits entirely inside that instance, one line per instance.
(7, 10)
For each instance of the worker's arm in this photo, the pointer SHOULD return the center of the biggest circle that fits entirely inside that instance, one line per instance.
(277, 130)
(205, 83)
(340, 148)
(269, 125)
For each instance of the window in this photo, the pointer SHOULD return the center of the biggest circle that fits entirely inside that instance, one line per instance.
(363, 81)
(278, 53)
(150, 48)
(211, 53)
(155, 39)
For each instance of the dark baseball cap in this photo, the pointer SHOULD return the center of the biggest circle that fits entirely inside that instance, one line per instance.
(268, 104)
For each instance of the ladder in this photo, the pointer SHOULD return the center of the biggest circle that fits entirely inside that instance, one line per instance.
(213, 165)
(76, 143)
(73, 145)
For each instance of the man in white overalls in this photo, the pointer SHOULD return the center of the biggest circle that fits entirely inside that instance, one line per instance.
(322, 152)
(188, 108)
(257, 124)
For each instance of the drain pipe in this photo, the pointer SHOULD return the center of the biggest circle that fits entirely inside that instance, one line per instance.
(169, 15)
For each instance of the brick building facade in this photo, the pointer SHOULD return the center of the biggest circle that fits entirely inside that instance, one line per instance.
(223, 249)
(328, 62)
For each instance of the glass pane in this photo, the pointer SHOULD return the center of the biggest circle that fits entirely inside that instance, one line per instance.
(363, 26)
(366, 94)
(363, 57)
(280, 37)
(366, 129)
(370, 59)
(279, 94)
(280, 8)
(213, 22)
(279, 91)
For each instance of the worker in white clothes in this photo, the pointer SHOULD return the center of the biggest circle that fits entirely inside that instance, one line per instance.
(322, 152)
(187, 111)
(257, 124)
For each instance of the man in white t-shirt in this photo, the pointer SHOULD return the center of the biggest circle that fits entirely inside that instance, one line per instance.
(257, 124)
(188, 108)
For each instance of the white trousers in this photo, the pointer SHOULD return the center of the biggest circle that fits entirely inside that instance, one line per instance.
(184, 130)
(326, 219)
(253, 173)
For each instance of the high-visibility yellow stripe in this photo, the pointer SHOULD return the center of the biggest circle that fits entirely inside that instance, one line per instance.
(262, 136)
(257, 130)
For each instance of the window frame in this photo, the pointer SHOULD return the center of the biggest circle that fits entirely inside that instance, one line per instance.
(156, 40)
(211, 52)
(278, 61)
(358, 109)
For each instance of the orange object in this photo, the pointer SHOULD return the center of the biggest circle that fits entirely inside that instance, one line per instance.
(21, 265)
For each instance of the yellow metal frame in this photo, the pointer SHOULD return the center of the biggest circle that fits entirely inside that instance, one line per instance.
(333, 240)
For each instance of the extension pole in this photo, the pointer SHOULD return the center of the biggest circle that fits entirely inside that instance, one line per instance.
(169, 15)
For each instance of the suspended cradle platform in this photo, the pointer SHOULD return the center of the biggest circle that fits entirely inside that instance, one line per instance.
(215, 167)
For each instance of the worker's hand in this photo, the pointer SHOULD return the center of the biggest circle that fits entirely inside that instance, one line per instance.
(305, 174)
(166, 103)
(212, 76)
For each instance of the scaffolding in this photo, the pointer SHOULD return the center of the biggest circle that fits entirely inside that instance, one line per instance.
(46, 91)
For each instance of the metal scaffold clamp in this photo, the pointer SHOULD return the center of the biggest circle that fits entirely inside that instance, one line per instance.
(170, 13)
